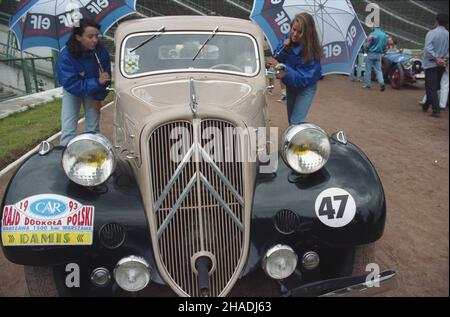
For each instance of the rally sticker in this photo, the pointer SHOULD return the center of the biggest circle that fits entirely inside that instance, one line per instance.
(47, 219)
(131, 62)
(335, 207)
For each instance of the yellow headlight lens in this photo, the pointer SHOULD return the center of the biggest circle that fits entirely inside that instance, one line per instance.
(306, 148)
(88, 159)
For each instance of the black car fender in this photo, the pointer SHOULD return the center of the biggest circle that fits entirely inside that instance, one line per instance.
(120, 226)
(285, 206)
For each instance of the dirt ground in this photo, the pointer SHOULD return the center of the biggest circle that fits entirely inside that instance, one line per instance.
(410, 151)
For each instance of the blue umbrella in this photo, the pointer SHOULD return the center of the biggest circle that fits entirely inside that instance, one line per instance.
(340, 32)
(49, 23)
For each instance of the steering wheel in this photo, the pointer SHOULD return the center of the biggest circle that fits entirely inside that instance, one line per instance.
(233, 67)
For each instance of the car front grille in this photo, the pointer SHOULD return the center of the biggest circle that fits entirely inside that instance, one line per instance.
(198, 202)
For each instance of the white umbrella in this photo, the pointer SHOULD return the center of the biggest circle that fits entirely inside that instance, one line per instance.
(340, 32)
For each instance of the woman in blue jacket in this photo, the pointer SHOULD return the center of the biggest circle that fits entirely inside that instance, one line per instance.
(300, 51)
(84, 71)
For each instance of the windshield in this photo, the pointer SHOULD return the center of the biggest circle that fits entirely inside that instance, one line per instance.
(175, 51)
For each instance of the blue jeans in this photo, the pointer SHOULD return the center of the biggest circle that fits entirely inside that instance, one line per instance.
(298, 102)
(69, 116)
(359, 62)
(374, 59)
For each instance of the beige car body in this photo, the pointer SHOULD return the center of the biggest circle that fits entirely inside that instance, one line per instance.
(143, 103)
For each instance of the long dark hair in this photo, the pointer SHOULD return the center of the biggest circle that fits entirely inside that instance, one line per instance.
(73, 44)
(309, 38)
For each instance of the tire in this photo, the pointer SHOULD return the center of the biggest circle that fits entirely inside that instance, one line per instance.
(397, 76)
(40, 281)
(417, 67)
(364, 254)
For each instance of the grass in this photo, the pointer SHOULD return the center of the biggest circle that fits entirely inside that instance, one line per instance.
(22, 131)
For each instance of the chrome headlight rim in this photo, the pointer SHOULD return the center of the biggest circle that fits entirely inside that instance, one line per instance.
(273, 250)
(103, 143)
(291, 132)
(133, 259)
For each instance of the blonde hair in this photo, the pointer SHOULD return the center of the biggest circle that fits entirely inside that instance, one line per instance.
(312, 50)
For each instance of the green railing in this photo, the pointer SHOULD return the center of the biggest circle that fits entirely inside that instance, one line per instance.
(27, 65)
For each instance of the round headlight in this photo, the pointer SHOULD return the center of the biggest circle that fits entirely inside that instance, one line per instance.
(407, 65)
(132, 273)
(306, 148)
(88, 159)
(280, 262)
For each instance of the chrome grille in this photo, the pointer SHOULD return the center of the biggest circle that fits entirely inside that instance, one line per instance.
(198, 203)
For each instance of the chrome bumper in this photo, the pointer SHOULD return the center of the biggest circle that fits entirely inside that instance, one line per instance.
(353, 286)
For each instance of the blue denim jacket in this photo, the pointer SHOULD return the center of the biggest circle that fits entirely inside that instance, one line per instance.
(298, 74)
(79, 76)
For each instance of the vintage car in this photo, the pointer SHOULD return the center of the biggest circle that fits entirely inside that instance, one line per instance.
(178, 200)
(399, 69)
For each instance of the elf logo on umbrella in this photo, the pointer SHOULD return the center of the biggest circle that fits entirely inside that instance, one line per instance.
(72, 16)
(39, 22)
(97, 6)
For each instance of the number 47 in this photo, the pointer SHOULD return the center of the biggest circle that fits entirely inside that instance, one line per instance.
(326, 206)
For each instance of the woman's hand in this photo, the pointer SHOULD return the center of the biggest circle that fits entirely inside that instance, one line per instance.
(272, 62)
(287, 42)
(280, 74)
(104, 77)
(97, 105)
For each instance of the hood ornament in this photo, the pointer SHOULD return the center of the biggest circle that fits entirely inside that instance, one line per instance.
(193, 104)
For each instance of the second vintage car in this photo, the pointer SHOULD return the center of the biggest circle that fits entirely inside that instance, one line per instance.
(194, 194)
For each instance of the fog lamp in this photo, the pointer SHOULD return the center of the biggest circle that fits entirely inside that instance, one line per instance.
(132, 273)
(280, 262)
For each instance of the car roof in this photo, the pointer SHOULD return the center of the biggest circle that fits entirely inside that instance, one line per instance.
(186, 23)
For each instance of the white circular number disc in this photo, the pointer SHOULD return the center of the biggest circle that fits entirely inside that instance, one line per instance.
(335, 207)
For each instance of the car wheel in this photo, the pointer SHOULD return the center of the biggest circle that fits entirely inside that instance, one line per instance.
(40, 281)
(397, 76)
(417, 67)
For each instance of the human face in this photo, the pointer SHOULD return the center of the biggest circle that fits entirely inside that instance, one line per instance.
(89, 38)
(295, 32)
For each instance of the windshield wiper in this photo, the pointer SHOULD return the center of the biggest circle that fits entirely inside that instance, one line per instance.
(206, 42)
(160, 31)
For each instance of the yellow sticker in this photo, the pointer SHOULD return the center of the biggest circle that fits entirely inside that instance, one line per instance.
(47, 219)
(131, 62)
(46, 238)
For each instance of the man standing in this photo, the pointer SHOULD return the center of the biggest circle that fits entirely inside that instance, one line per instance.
(375, 46)
(435, 58)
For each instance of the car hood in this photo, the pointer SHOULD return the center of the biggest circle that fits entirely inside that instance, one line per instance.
(398, 57)
(211, 93)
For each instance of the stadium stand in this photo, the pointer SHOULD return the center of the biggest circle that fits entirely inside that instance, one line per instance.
(407, 20)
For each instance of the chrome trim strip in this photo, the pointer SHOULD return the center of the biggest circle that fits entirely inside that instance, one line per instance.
(221, 201)
(386, 280)
(193, 104)
(177, 204)
(210, 161)
(173, 179)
